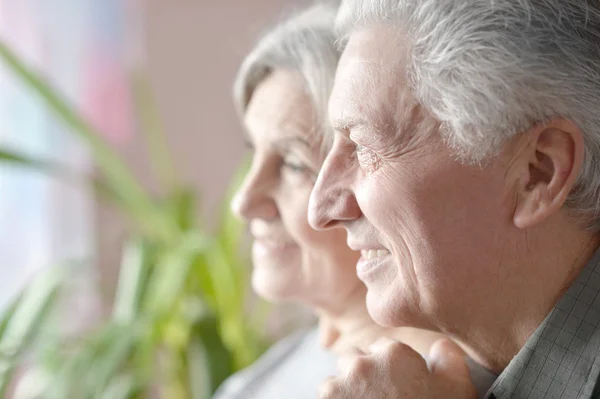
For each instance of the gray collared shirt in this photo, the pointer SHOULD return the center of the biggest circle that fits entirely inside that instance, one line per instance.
(562, 358)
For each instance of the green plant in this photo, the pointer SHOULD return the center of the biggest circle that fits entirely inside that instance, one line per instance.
(179, 323)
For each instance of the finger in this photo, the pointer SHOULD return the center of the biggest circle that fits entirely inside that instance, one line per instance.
(445, 354)
(346, 360)
(330, 389)
(381, 344)
(447, 362)
(394, 352)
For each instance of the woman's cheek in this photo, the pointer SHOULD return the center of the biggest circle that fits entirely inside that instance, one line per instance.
(293, 209)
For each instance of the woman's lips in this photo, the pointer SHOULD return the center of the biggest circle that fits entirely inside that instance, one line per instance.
(271, 248)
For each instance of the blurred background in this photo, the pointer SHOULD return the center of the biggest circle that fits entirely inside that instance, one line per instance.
(122, 273)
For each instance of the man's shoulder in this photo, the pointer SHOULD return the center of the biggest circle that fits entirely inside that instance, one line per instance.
(562, 357)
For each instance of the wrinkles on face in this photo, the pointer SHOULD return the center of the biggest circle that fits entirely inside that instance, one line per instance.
(393, 224)
(386, 125)
(442, 221)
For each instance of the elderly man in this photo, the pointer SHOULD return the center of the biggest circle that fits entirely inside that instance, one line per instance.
(466, 169)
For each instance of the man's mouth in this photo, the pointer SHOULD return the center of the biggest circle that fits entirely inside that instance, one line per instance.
(374, 253)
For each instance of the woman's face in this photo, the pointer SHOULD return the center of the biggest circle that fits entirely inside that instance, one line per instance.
(291, 260)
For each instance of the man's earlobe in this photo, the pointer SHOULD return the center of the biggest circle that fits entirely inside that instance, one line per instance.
(552, 165)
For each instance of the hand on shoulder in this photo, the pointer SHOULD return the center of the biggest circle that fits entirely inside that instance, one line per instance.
(394, 370)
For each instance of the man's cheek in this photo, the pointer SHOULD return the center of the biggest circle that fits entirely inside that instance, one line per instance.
(390, 192)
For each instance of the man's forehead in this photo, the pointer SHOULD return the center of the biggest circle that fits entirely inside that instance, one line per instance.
(368, 73)
(380, 43)
(350, 87)
(362, 53)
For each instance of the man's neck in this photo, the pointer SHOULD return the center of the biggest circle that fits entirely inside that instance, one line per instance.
(545, 265)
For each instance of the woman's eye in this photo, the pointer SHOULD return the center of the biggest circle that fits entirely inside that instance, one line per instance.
(368, 160)
(295, 167)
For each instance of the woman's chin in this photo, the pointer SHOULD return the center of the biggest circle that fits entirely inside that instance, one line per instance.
(274, 288)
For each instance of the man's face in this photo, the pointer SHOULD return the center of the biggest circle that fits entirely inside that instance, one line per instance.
(431, 230)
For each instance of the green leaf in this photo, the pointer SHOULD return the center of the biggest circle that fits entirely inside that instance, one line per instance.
(201, 281)
(8, 313)
(152, 127)
(143, 361)
(33, 383)
(198, 370)
(181, 206)
(116, 173)
(96, 362)
(170, 274)
(26, 322)
(12, 158)
(133, 276)
(215, 354)
(72, 377)
(122, 387)
(228, 297)
(118, 348)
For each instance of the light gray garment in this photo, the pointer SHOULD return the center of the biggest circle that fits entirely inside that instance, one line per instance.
(295, 367)
(562, 357)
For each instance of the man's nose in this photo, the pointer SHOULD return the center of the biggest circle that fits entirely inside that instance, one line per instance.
(332, 200)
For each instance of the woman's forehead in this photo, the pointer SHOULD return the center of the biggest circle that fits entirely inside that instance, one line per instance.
(281, 106)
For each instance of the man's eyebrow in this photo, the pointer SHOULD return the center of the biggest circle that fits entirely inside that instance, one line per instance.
(347, 123)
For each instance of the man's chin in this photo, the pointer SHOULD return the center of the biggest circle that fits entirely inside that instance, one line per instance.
(388, 312)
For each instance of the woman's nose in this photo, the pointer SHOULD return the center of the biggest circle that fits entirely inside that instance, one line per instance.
(254, 197)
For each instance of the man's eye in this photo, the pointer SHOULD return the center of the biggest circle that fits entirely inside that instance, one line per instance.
(368, 160)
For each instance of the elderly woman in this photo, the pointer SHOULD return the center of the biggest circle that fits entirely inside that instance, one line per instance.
(467, 155)
(281, 92)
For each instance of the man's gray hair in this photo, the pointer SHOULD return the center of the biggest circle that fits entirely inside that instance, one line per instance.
(304, 43)
(489, 69)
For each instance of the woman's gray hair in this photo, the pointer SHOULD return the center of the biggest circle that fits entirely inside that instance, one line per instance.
(304, 43)
(489, 69)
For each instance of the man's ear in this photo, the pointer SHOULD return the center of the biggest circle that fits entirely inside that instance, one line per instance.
(551, 164)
